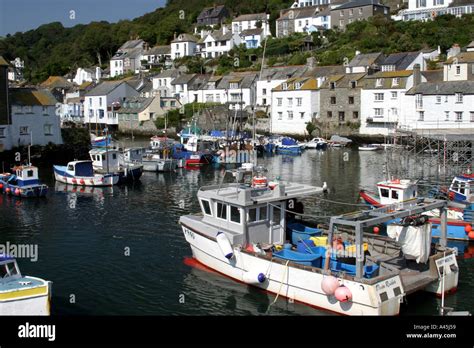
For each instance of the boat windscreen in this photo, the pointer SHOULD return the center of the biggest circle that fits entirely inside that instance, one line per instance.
(84, 169)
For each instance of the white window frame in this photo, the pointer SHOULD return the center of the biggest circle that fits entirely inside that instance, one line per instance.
(379, 97)
(202, 206)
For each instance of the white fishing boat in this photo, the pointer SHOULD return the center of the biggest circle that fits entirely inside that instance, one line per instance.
(317, 143)
(82, 173)
(22, 295)
(106, 160)
(157, 162)
(369, 147)
(242, 229)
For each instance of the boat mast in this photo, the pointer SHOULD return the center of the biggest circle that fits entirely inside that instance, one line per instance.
(29, 148)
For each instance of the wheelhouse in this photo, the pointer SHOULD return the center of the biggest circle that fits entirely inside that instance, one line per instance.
(8, 269)
(26, 175)
(462, 188)
(396, 191)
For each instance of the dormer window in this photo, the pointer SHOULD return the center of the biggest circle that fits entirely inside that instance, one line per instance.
(298, 85)
(234, 85)
(332, 85)
(353, 84)
(285, 86)
(395, 81)
(379, 83)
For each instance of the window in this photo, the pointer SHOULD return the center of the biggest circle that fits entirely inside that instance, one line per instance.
(290, 101)
(458, 116)
(332, 85)
(420, 3)
(472, 116)
(360, 10)
(458, 70)
(341, 13)
(421, 115)
(378, 112)
(353, 84)
(446, 99)
(280, 115)
(384, 192)
(394, 95)
(438, 2)
(264, 101)
(234, 85)
(394, 194)
(279, 101)
(395, 81)
(341, 116)
(351, 100)
(252, 215)
(298, 85)
(45, 111)
(302, 115)
(100, 101)
(262, 213)
(299, 23)
(355, 114)
(290, 115)
(438, 99)
(264, 91)
(48, 129)
(341, 23)
(218, 99)
(378, 83)
(222, 211)
(299, 101)
(29, 173)
(458, 97)
(2, 132)
(24, 130)
(419, 101)
(329, 114)
(101, 113)
(333, 100)
(394, 111)
(351, 12)
(234, 214)
(284, 86)
(446, 113)
(378, 96)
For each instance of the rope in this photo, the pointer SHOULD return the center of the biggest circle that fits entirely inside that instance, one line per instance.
(281, 285)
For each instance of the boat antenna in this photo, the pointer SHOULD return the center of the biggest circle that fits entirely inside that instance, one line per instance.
(29, 148)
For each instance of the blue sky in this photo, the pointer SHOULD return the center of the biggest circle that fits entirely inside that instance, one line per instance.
(23, 15)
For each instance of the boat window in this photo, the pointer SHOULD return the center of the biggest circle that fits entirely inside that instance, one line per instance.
(3, 271)
(263, 213)
(114, 156)
(70, 167)
(455, 185)
(206, 207)
(11, 268)
(252, 214)
(394, 194)
(384, 192)
(276, 216)
(29, 173)
(383, 296)
(103, 157)
(222, 211)
(461, 187)
(234, 214)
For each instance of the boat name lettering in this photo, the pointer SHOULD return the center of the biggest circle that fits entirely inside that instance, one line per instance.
(447, 259)
(189, 233)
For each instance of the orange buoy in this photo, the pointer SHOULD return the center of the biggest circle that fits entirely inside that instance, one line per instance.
(17, 192)
(8, 190)
(468, 228)
(471, 235)
(376, 230)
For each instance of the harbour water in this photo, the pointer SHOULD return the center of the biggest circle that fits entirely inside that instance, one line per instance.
(120, 250)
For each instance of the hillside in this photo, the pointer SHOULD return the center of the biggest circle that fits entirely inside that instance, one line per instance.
(52, 49)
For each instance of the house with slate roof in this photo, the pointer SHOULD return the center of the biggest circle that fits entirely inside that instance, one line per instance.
(183, 45)
(357, 10)
(218, 42)
(127, 58)
(403, 61)
(252, 21)
(211, 16)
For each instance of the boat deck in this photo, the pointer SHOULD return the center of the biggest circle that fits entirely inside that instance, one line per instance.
(20, 284)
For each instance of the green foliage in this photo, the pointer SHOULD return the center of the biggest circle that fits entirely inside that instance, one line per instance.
(179, 117)
(310, 128)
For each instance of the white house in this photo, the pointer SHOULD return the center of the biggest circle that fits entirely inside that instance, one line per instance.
(158, 55)
(87, 75)
(183, 45)
(459, 68)
(252, 21)
(403, 61)
(272, 77)
(219, 42)
(33, 119)
(429, 9)
(306, 3)
(102, 102)
(162, 82)
(295, 102)
(381, 100)
(252, 38)
(15, 71)
(127, 58)
(364, 63)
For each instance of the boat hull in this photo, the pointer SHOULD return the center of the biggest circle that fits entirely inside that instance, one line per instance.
(296, 284)
(96, 180)
(33, 301)
(31, 191)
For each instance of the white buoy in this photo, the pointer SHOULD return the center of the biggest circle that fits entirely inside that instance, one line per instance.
(254, 277)
(224, 245)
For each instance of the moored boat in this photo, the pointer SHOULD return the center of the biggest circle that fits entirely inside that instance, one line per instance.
(242, 233)
(82, 173)
(105, 160)
(317, 143)
(369, 147)
(23, 182)
(22, 295)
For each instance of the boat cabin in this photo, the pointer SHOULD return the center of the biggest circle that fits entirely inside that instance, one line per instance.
(160, 142)
(8, 269)
(80, 168)
(133, 154)
(196, 144)
(250, 212)
(462, 188)
(105, 159)
(396, 191)
(25, 175)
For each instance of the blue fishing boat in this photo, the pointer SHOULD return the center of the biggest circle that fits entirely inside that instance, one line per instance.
(101, 141)
(82, 173)
(289, 146)
(462, 189)
(300, 231)
(23, 182)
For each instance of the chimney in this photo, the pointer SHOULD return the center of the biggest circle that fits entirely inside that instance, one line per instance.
(224, 30)
(98, 73)
(454, 51)
(416, 75)
(310, 62)
(174, 35)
